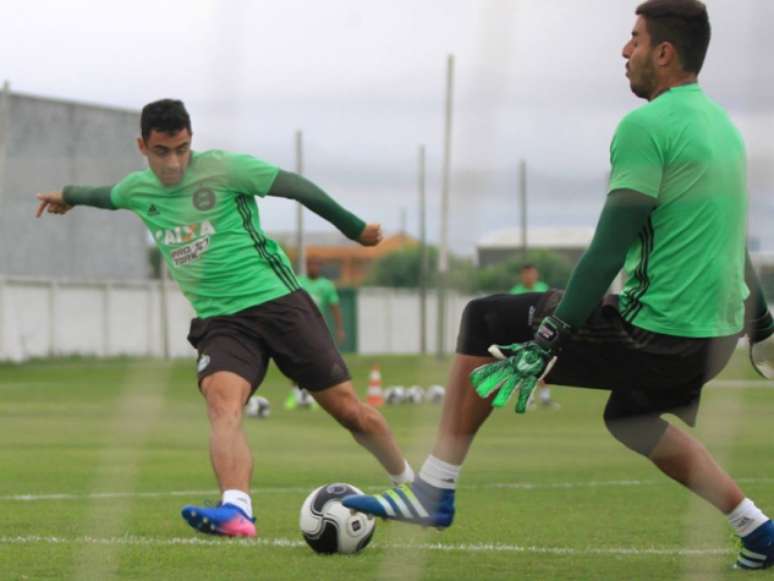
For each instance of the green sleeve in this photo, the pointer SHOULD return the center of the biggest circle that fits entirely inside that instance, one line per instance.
(759, 324)
(295, 187)
(624, 216)
(636, 158)
(95, 196)
(250, 175)
(333, 295)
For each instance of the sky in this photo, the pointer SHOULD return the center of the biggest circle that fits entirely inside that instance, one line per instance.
(364, 80)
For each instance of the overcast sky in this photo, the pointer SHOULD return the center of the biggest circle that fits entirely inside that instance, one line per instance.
(364, 79)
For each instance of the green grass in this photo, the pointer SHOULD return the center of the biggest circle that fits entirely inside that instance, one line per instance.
(79, 427)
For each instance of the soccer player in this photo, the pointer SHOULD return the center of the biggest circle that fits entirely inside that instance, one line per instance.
(201, 210)
(529, 282)
(324, 294)
(675, 220)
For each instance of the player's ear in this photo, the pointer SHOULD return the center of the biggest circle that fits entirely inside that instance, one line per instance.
(141, 146)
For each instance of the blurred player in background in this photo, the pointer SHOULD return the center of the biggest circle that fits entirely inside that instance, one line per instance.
(326, 297)
(675, 219)
(201, 211)
(529, 282)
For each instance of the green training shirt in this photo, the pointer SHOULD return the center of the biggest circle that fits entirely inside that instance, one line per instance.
(538, 287)
(685, 274)
(321, 289)
(209, 231)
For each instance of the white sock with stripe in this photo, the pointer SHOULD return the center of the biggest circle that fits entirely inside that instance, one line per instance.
(746, 517)
(439, 473)
(240, 499)
(407, 476)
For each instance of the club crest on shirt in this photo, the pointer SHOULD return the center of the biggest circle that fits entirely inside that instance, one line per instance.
(204, 199)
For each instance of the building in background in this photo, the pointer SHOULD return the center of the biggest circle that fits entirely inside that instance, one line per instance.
(343, 261)
(46, 144)
(503, 245)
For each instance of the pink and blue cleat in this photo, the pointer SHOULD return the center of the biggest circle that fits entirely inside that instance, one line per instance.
(224, 519)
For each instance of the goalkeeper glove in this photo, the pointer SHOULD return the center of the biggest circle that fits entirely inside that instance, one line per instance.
(760, 332)
(526, 364)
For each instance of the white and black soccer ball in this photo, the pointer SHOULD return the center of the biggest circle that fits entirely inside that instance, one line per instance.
(395, 394)
(435, 393)
(258, 407)
(329, 527)
(415, 394)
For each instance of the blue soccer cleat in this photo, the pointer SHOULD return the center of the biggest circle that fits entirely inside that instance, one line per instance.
(757, 548)
(418, 503)
(224, 519)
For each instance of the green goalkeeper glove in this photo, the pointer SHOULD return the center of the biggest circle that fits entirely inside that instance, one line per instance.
(526, 364)
(761, 335)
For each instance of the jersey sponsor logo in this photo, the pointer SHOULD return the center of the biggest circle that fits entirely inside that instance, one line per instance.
(195, 237)
(204, 199)
(190, 252)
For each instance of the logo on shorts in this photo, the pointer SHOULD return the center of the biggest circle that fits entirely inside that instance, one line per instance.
(204, 361)
(204, 199)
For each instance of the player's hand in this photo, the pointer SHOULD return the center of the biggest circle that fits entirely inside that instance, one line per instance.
(371, 235)
(761, 336)
(53, 203)
(526, 364)
(521, 372)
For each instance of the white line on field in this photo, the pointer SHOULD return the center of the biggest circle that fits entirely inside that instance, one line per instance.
(301, 489)
(293, 544)
(741, 383)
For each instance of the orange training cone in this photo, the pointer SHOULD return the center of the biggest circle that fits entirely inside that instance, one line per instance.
(375, 393)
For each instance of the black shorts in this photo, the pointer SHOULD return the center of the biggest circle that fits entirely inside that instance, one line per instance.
(647, 373)
(290, 330)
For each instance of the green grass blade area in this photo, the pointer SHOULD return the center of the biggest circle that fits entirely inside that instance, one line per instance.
(97, 458)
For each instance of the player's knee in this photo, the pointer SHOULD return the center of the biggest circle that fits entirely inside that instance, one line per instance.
(638, 433)
(223, 406)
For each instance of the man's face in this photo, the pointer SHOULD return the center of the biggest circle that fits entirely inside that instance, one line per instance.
(312, 268)
(640, 61)
(529, 276)
(168, 154)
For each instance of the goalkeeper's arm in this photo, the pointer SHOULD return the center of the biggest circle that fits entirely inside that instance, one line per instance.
(759, 324)
(624, 216)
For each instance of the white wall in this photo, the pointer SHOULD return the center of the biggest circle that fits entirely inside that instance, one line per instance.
(46, 318)
(388, 321)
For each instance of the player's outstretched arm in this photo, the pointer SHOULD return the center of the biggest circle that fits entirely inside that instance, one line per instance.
(295, 187)
(71, 196)
(759, 324)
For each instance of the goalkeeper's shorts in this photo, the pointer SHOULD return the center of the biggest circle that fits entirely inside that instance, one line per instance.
(648, 373)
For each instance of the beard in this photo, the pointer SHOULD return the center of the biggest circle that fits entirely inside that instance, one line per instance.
(643, 83)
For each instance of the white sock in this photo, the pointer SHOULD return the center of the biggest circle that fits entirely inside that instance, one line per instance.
(240, 499)
(545, 394)
(439, 473)
(407, 476)
(746, 517)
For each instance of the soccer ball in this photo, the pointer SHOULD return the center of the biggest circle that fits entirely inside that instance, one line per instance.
(435, 393)
(329, 527)
(258, 407)
(415, 394)
(395, 395)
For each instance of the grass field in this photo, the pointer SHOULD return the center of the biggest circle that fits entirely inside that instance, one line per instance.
(97, 458)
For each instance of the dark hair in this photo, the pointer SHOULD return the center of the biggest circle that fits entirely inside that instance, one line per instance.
(527, 266)
(166, 116)
(682, 23)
